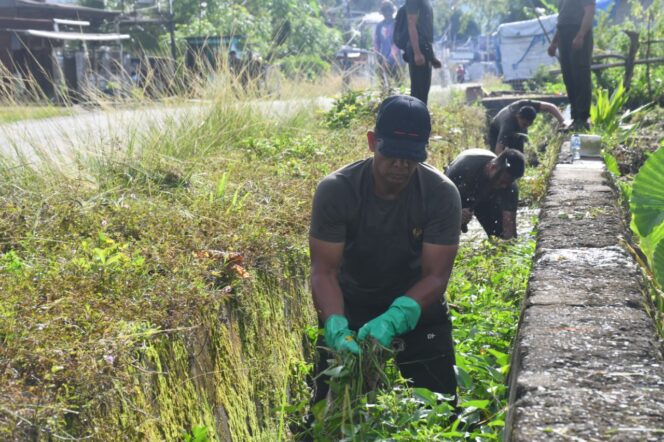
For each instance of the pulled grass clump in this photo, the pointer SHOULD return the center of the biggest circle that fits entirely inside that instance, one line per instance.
(156, 285)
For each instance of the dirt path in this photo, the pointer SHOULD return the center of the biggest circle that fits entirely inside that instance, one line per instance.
(587, 365)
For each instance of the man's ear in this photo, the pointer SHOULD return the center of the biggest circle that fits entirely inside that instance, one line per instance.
(371, 139)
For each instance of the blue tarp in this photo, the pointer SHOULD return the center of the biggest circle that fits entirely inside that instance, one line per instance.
(606, 4)
(521, 47)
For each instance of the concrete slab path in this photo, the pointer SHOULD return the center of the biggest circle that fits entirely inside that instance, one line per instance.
(587, 364)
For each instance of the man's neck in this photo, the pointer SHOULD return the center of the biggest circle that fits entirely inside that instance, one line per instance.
(388, 191)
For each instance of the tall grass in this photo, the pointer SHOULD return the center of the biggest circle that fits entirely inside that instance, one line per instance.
(154, 278)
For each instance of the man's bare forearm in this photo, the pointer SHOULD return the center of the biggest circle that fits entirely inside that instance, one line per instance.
(437, 263)
(553, 110)
(413, 35)
(327, 295)
(509, 225)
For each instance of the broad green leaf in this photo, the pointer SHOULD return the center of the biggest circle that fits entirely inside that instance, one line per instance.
(334, 372)
(611, 164)
(426, 395)
(658, 263)
(501, 358)
(647, 202)
(463, 378)
(649, 243)
(481, 404)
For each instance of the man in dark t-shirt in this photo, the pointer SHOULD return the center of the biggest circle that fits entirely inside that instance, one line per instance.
(508, 129)
(419, 51)
(384, 234)
(487, 185)
(574, 41)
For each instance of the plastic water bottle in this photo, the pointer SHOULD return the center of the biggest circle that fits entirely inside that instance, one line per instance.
(575, 147)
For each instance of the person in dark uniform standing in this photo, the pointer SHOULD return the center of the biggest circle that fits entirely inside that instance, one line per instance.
(508, 129)
(574, 41)
(383, 237)
(419, 51)
(487, 184)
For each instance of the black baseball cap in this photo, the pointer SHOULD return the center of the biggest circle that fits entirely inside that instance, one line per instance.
(403, 126)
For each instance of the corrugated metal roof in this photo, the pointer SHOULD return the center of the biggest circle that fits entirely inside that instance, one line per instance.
(72, 35)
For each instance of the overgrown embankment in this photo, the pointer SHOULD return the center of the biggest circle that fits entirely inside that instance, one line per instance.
(163, 287)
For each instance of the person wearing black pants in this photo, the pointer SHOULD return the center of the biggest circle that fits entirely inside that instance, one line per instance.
(419, 51)
(574, 41)
(383, 237)
(420, 80)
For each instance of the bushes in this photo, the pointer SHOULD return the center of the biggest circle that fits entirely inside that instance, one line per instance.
(307, 67)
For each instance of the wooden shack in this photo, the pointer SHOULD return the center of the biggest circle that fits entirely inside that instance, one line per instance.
(53, 44)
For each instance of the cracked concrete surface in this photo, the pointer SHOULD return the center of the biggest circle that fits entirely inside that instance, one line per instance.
(587, 363)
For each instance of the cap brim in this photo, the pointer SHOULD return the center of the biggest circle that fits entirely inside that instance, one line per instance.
(403, 149)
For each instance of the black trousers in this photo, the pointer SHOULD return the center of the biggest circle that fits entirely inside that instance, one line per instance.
(427, 360)
(575, 66)
(490, 216)
(420, 80)
(490, 213)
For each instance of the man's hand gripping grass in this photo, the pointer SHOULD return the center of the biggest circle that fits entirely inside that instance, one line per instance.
(338, 336)
(400, 318)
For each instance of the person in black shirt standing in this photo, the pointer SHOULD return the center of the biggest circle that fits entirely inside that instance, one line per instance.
(419, 51)
(508, 129)
(383, 237)
(487, 184)
(574, 41)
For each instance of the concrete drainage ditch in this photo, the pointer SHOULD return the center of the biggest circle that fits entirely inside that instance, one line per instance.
(587, 363)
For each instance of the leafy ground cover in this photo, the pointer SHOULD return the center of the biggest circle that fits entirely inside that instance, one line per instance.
(486, 291)
(159, 292)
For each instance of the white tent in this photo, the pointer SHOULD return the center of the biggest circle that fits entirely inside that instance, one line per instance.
(521, 47)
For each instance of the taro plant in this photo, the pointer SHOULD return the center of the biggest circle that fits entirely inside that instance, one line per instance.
(606, 116)
(647, 208)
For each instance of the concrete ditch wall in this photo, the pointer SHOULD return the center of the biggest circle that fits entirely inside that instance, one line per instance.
(587, 364)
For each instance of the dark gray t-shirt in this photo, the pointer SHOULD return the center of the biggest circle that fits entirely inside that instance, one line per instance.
(570, 12)
(425, 20)
(466, 171)
(504, 127)
(383, 239)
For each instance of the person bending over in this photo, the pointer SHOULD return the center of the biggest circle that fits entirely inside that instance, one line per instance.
(487, 184)
(509, 128)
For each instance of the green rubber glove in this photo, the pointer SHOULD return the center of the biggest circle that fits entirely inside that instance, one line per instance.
(400, 318)
(338, 336)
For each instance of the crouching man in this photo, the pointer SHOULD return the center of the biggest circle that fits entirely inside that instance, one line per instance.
(487, 184)
(384, 234)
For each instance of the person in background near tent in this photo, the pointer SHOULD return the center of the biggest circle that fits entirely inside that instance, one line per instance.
(419, 52)
(460, 73)
(509, 127)
(383, 237)
(382, 42)
(487, 184)
(574, 41)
